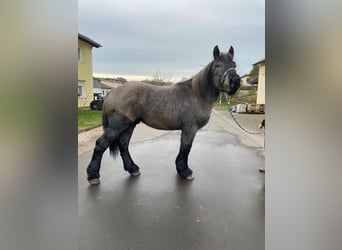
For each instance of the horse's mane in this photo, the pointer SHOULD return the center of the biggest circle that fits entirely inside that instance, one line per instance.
(200, 81)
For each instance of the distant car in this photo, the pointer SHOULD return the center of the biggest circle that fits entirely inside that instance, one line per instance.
(232, 108)
(96, 104)
(241, 107)
(98, 96)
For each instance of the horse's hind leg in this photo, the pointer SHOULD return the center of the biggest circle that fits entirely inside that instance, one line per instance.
(117, 124)
(123, 142)
(101, 145)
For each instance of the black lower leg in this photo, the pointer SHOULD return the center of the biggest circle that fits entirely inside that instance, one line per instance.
(182, 161)
(123, 142)
(95, 163)
(128, 163)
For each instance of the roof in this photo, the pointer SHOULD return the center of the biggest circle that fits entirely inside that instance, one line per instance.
(98, 85)
(111, 84)
(245, 75)
(88, 40)
(261, 61)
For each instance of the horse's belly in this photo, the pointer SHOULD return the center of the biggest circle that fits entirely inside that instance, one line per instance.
(202, 123)
(162, 123)
(158, 125)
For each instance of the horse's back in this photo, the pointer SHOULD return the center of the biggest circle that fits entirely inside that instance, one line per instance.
(133, 99)
(161, 107)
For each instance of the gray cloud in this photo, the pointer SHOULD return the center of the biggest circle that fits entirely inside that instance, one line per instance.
(177, 36)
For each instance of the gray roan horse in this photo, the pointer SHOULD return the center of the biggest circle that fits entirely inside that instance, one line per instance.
(183, 106)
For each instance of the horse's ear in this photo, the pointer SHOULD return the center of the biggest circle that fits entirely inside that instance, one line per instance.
(216, 52)
(231, 52)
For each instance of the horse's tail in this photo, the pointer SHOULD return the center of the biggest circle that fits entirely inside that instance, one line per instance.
(104, 119)
(113, 146)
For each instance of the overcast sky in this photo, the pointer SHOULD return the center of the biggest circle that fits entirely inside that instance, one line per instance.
(174, 36)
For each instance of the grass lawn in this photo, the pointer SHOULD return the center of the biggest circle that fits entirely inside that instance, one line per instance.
(89, 119)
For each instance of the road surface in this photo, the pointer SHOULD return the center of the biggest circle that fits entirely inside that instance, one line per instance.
(223, 208)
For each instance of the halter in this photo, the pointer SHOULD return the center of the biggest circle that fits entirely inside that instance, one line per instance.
(225, 73)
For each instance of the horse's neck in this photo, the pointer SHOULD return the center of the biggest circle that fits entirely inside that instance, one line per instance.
(203, 87)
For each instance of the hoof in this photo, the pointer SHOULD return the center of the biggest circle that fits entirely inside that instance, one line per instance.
(189, 178)
(135, 174)
(95, 181)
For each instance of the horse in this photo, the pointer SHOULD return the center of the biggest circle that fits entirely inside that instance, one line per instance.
(184, 106)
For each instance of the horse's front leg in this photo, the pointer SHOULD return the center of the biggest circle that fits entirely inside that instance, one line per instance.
(182, 167)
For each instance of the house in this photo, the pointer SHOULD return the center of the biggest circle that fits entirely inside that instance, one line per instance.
(244, 80)
(261, 82)
(100, 88)
(85, 70)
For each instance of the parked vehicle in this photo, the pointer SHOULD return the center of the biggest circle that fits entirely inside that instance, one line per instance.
(255, 108)
(245, 107)
(241, 107)
(96, 104)
(233, 108)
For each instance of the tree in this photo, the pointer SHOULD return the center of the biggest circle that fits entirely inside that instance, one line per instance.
(254, 73)
(223, 97)
(160, 78)
(120, 79)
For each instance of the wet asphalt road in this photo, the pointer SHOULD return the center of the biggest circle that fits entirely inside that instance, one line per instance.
(223, 208)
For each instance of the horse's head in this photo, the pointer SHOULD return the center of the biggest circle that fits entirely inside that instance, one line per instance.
(225, 77)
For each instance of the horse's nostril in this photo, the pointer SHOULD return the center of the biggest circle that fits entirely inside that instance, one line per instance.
(235, 80)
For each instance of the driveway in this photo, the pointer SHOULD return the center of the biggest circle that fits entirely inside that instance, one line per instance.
(223, 208)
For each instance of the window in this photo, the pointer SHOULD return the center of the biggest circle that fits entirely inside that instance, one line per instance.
(79, 54)
(80, 89)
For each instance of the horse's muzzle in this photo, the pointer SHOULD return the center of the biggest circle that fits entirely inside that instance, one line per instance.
(232, 84)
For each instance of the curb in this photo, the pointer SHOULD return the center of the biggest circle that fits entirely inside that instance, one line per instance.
(89, 128)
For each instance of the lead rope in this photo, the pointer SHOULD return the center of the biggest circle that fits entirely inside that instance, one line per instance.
(249, 132)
